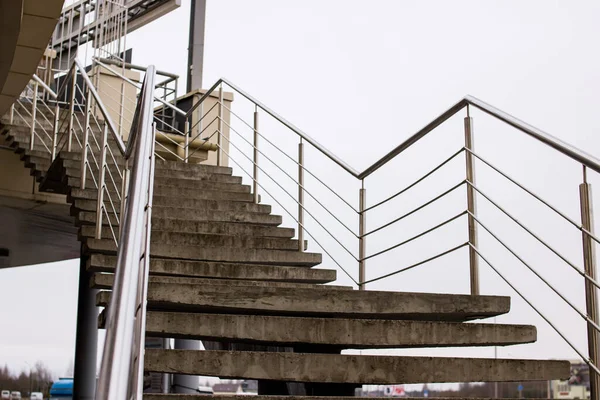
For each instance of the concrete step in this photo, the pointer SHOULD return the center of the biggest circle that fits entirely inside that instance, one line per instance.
(220, 254)
(175, 193)
(331, 368)
(188, 204)
(338, 332)
(73, 169)
(105, 281)
(184, 184)
(323, 303)
(219, 228)
(204, 269)
(188, 244)
(89, 217)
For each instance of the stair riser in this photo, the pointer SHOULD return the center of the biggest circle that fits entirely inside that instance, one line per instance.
(87, 217)
(103, 263)
(294, 367)
(340, 333)
(342, 304)
(190, 244)
(174, 193)
(160, 202)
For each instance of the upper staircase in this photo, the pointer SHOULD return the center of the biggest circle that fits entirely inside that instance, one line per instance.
(224, 271)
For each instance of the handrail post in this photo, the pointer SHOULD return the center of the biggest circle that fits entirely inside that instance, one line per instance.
(187, 133)
(84, 149)
(220, 125)
(362, 241)
(12, 113)
(72, 108)
(55, 130)
(591, 296)
(471, 207)
(124, 191)
(255, 157)
(33, 115)
(300, 196)
(101, 183)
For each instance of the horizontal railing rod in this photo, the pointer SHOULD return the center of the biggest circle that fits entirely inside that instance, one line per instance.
(415, 237)
(516, 221)
(206, 113)
(415, 265)
(292, 178)
(587, 360)
(557, 144)
(294, 129)
(263, 137)
(293, 217)
(415, 182)
(293, 198)
(439, 196)
(536, 273)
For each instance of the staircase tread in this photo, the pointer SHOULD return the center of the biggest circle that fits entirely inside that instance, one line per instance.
(343, 368)
(343, 333)
(321, 303)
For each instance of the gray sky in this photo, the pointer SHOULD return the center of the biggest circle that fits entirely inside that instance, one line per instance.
(360, 79)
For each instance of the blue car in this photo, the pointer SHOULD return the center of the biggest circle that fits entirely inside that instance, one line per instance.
(62, 389)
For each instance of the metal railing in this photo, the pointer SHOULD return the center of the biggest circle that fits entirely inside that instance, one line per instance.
(261, 157)
(122, 370)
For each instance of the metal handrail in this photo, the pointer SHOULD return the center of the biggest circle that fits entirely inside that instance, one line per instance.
(123, 355)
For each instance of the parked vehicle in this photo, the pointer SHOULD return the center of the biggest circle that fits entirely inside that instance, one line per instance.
(5, 395)
(15, 396)
(62, 389)
(36, 396)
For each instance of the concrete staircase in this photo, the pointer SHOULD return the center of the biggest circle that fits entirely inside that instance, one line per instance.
(223, 271)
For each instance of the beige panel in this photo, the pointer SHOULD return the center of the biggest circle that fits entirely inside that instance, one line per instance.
(25, 60)
(36, 31)
(15, 83)
(43, 8)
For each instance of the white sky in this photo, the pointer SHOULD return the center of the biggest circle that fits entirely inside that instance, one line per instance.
(360, 77)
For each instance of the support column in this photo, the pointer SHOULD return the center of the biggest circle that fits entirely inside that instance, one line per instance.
(186, 383)
(86, 341)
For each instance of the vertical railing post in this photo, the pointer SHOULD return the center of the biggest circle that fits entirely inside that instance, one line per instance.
(591, 295)
(72, 108)
(220, 125)
(33, 115)
(101, 183)
(12, 113)
(300, 196)
(187, 133)
(471, 206)
(124, 191)
(84, 148)
(362, 241)
(55, 129)
(255, 157)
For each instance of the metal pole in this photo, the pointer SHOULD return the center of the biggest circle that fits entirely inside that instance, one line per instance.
(220, 125)
(255, 159)
(362, 241)
(591, 295)
(472, 207)
(300, 195)
(101, 183)
(84, 149)
(124, 191)
(186, 131)
(166, 378)
(72, 108)
(86, 339)
(12, 113)
(33, 115)
(55, 130)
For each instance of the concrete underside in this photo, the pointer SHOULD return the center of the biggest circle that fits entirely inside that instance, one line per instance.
(298, 367)
(35, 232)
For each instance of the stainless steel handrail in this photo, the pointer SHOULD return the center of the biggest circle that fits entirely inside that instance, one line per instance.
(123, 348)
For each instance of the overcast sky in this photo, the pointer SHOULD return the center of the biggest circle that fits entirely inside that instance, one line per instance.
(360, 77)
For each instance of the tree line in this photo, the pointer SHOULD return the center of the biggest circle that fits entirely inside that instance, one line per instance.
(38, 379)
